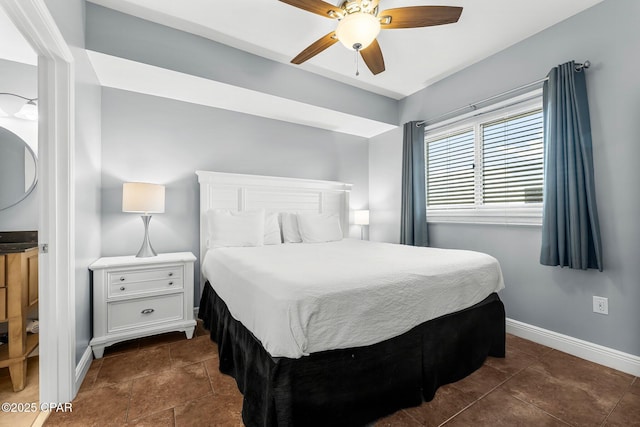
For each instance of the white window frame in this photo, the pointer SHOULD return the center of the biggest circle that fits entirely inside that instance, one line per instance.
(503, 214)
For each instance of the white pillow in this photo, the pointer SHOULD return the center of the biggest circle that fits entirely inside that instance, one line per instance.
(227, 228)
(317, 228)
(290, 233)
(272, 229)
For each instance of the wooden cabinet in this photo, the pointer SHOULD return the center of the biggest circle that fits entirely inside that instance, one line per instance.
(135, 297)
(18, 294)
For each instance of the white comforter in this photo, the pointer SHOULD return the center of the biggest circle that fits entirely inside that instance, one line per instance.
(299, 299)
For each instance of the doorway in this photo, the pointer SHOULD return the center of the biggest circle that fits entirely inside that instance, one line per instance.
(19, 222)
(57, 370)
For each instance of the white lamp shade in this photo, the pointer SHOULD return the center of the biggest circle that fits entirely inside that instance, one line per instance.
(361, 217)
(358, 28)
(142, 197)
(29, 111)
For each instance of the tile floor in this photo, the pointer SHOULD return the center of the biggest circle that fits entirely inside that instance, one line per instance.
(170, 381)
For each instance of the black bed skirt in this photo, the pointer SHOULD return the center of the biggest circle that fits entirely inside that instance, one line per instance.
(353, 387)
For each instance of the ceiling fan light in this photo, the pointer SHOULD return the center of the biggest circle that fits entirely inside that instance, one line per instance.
(358, 29)
(29, 111)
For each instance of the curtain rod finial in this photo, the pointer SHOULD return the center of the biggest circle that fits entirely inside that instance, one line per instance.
(582, 66)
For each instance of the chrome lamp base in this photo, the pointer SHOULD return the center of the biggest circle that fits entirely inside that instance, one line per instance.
(146, 250)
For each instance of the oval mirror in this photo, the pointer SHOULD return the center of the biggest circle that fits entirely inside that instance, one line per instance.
(18, 169)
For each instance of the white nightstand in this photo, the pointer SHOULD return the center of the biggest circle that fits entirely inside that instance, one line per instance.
(136, 297)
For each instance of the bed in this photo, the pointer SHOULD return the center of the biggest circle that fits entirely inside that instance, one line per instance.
(311, 345)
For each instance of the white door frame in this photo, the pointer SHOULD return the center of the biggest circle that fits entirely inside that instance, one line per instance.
(56, 108)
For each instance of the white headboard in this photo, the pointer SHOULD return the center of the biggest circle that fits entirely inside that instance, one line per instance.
(273, 194)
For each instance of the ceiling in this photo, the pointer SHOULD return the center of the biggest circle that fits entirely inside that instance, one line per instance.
(134, 76)
(414, 58)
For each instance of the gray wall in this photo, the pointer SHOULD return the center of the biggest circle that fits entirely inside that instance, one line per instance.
(125, 36)
(152, 139)
(21, 79)
(553, 298)
(87, 192)
(69, 16)
(385, 181)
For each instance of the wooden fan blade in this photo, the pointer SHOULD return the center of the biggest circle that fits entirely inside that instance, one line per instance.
(315, 48)
(316, 6)
(418, 16)
(372, 56)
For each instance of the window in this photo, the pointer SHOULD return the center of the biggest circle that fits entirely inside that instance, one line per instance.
(450, 169)
(487, 168)
(512, 155)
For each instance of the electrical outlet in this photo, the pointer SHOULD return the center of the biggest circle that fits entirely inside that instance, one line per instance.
(600, 305)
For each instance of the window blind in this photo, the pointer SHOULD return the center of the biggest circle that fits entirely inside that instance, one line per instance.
(512, 159)
(450, 169)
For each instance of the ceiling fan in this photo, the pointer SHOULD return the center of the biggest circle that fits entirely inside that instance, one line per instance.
(360, 21)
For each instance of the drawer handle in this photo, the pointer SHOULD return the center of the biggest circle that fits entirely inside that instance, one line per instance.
(122, 278)
(122, 288)
(147, 311)
(170, 274)
(171, 283)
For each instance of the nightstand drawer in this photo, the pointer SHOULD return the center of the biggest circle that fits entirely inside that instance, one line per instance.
(134, 297)
(144, 275)
(144, 311)
(132, 288)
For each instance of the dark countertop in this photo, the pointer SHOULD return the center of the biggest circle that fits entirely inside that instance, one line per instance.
(11, 248)
(17, 241)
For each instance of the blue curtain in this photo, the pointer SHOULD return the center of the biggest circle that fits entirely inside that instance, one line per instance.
(413, 223)
(570, 227)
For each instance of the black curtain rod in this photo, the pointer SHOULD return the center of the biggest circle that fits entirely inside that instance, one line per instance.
(579, 67)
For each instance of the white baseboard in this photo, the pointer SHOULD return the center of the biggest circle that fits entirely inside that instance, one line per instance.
(82, 368)
(596, 353)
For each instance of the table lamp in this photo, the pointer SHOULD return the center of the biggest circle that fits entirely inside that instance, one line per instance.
(144, 198)
(361, 218)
